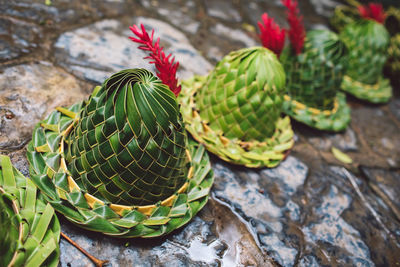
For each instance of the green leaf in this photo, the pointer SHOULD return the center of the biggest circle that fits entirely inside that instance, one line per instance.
(341, 156)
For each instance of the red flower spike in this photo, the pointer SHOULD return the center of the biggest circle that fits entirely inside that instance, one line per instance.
(373, 11)
(271, 35)
(297, 33)
(166, 69)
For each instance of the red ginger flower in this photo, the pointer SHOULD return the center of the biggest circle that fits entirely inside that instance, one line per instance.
(297, 33)
(373, 11)
(271, 35)
(166, 69)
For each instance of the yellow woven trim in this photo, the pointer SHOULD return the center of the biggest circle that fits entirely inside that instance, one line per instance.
(43, 148)
(120, 209)
(73, 186)
(188, 155)
(169, 201)
(224, 140)
(63, 165)
(146, 210)
(314, 111)
(66, 112)
(91, 200)
(190, 172)
(20, 228)
(375, 86)
(51, 127)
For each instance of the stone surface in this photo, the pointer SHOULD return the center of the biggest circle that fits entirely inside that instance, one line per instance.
(223, 10)
(236, 35)
(379, 132)
(28, 93)
(309, 211)
(263, 200)
(17, 37)
(180, 13)
(96, 51)
(205, 241)
(59, 13)
(345, 141)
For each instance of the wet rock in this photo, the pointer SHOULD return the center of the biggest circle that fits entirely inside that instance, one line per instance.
(233, 39)
(324, 7)
(180, 13)
(263, 199)
(62, 12)
(224, 10)
(254, 9)
(386, 184)
(205, 241)
(345, 223)
(379, 134)
(345, 141)
(17, 38)
(235, 35)
(394, 106)
(338, 235)
(28, 93)
(307, 219)
(96, 51)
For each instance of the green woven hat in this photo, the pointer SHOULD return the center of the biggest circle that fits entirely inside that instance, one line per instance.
(235, 111)
(394, 55)
(368, 41)
(345, 14)
(120, 163)
(314, 77)
(29, 229)
(392, 23)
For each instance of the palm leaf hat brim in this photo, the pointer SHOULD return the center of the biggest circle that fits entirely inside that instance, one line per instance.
(29, 228)
(121, 163)
(368, 42)
(251, 153)
(314, 78)
(380, 92)
(50, 173)
(336, 119)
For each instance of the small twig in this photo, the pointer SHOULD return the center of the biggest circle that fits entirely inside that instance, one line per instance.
(96, 261)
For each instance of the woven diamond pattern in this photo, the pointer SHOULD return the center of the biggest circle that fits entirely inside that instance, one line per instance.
(235, 111)
(124, 156)
(314, 76)
(139, 154)
(368, 42)
(29, 229)
(242, 97)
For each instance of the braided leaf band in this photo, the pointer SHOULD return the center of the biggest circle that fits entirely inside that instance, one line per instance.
(29, 229)
(121, 163)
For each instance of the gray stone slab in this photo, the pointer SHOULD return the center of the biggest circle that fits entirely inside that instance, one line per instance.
(18, 38)
(96, 51)
(29, 92)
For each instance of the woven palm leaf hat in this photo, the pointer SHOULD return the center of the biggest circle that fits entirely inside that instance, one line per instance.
(368, 41)
(392, 23)
(120, 163)
(235, 111)
(348, 14)
(29, 228)
(315, 63)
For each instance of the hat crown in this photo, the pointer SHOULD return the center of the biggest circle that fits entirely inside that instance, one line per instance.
(368, 42)
(315, 75)
(243, 95)
(129, 145)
